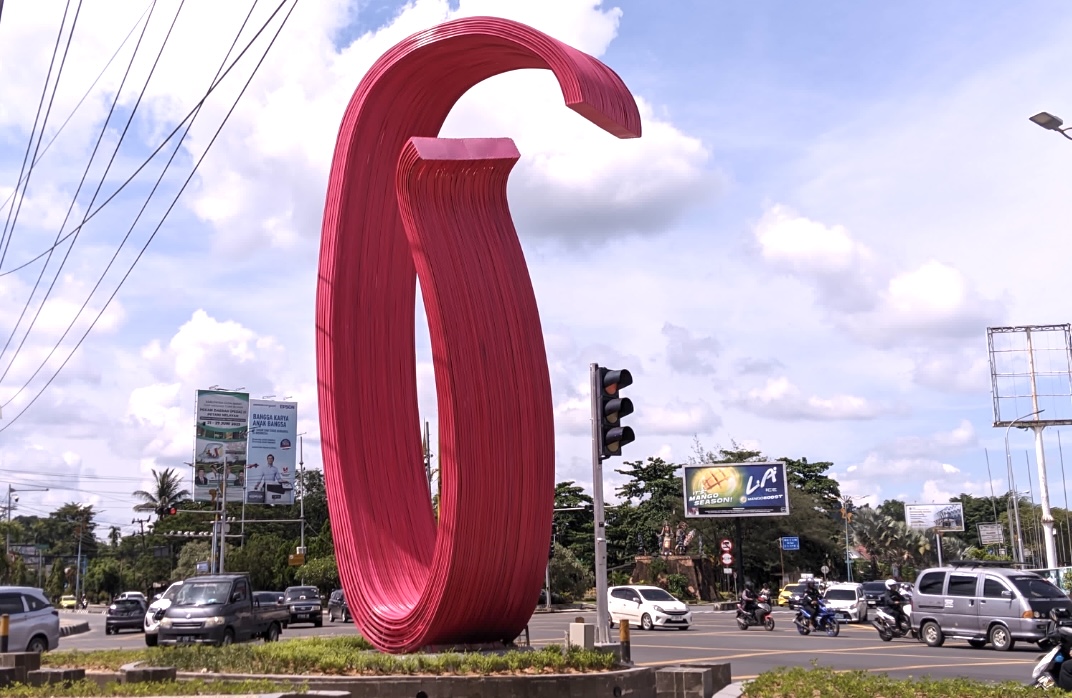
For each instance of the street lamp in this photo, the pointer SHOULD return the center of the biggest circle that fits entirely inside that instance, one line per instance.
(1051, 123)
(10, 490)
(1012, 480)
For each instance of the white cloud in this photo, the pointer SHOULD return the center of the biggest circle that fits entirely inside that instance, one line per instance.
(780, 399)
(960, 438)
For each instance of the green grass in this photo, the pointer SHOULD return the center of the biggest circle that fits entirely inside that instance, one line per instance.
(335, 656)
(821, 682)
(162, 688)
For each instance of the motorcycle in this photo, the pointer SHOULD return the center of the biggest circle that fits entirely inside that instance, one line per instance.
(1047, 671)
(760, 616)
(887, 626)
(825, 620)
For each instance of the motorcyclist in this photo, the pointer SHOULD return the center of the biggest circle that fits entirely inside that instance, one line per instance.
(748, 600)
(809, 600)
(765, 591)
(894, 600)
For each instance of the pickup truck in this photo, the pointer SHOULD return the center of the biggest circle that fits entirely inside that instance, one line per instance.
(217, 610)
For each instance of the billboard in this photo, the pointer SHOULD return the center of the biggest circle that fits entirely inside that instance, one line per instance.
(270, 455)
(941, 517)
(220, 444)
(991, 534)
(736, 489)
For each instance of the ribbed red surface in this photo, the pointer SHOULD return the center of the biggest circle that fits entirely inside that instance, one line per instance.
(403, 204)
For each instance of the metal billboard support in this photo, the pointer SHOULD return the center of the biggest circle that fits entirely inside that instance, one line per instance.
(1007, 363)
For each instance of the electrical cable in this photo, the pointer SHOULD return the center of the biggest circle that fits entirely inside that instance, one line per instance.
(133, 224)
(160, 147)
(81, 183)
(80, 102)
(403, 208)
(33, 130)
(156, 230)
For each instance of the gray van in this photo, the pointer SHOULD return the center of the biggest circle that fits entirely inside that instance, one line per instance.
(983, 604)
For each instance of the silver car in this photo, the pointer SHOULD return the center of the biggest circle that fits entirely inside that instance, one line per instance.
(33, 623)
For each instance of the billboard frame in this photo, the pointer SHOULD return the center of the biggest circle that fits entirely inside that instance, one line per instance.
(1005, 384)
(993, 525)
(935, 510)
(736, 512)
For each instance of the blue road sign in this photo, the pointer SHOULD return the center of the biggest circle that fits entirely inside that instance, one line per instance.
(790, 543)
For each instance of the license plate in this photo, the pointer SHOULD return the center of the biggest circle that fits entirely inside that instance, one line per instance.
(675, 620)
(186, 639)
(302, 616)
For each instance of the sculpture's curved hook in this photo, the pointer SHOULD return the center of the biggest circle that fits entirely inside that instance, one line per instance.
(408, 584)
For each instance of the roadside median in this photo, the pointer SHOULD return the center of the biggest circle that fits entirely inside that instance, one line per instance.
(73, 627)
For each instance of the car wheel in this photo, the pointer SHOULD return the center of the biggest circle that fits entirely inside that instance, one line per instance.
(318, 623)
(272, 633)
(228, 638)
(150, 639)
(932, 634)
(38, 644)
(1001, 638)
(331, 616)
(645, 622)
(977, 644)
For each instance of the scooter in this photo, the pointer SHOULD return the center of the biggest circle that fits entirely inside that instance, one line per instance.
(1047, 671)
(825, 620)
(760, 616)
(888, 628)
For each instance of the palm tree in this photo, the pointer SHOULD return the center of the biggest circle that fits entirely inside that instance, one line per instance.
(166, 493)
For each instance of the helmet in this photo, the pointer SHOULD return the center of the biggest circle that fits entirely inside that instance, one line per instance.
(748, 586)
(891, 584)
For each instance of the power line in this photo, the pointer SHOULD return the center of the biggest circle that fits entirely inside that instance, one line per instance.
(194, 110)
(85, 96)
(33, 130)
(78, 190)
(156, 230)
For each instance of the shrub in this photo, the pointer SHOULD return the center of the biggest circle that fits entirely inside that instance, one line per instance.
(820, 681)
(153, 688)
(678, 585)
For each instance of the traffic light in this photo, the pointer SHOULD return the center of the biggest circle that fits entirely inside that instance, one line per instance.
(170, 511)
(551, 547)
(612, 435)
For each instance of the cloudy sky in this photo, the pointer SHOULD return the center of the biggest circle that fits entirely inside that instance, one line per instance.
(828, 208)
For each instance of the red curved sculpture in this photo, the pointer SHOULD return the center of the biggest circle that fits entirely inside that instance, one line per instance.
(403, 205)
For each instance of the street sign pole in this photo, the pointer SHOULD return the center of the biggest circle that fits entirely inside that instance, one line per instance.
(781, 557)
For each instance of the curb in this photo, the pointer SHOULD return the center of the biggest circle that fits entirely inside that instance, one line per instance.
(74, 628)
(734, 690)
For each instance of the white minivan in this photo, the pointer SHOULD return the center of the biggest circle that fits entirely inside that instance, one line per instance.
(33, 623)
(848, 600)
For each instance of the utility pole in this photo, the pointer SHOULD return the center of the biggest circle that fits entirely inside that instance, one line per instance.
(301, 502)
(11, 501)
(141, 523)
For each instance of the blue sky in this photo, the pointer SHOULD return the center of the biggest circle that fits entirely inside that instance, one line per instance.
(828, 207)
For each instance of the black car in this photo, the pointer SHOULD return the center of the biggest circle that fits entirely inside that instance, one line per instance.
(337, 607)
(797, 591)
(873, 592)
(125, 614)
(304, 605)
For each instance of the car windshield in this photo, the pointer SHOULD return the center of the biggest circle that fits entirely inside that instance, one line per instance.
(297, 593)
(874, 587)
(172, 592)
(656, 595)
(203, 593)
(1037, 588)
(127, 605)
(797, 588)
(840, 595)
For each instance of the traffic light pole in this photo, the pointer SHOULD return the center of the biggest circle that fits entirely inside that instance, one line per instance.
(602, 609)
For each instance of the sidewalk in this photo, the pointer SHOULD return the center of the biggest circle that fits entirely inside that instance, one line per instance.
(734, 690)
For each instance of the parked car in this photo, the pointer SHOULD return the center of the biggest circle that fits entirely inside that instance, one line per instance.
(304, 605)
(848, 602)
(125, 614)
(873, 593)
(155, 612)
(33, 623)
(984, 604)
(647, 606)
(216, 610)
(272, 606)
(68, 602)
(337, 607)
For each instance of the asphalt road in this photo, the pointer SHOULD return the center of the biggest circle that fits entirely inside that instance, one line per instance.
(714, 637)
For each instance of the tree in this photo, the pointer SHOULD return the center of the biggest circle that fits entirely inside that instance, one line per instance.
(167, 492)
(892, 509)
(812, 478)
(322, 573)
(191, 553)
(569, 576)
(575, 529)
(657, 491)
(265, 557)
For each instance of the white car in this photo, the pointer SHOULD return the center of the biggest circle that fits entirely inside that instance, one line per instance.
(33, 624)
(848, 601)
(159, 605)
(647, 606)
(131, 595)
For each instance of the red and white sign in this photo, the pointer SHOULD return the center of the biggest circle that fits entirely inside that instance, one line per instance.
(727, 559)
(726, 545)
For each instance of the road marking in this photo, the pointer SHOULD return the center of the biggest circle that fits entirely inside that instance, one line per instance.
(906, 668)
